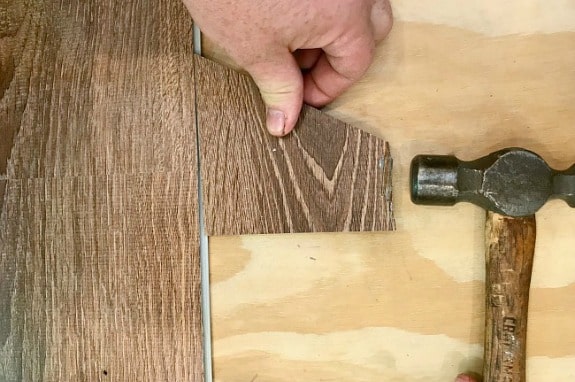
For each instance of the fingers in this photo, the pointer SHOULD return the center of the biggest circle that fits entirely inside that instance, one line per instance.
(341, 65)
(347, 50)
(464, 378)
(307, 58)
(381, 19)
(281, 85)
(345, 61)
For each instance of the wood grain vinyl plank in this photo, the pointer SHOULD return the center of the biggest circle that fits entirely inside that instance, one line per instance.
(99, 253)
(326, 176)
(100, 279)
(3, 184)
(96, 87)
(13, 91)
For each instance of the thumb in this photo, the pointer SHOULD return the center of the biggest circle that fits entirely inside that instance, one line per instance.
(281, 86)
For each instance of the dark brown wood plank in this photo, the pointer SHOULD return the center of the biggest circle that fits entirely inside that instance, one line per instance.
(104, 287)
(12, 89)
(98, 232)
(97, 87)
(3, 183)
(326, 176)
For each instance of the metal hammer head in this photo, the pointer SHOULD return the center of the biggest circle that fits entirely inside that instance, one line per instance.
(514, 181)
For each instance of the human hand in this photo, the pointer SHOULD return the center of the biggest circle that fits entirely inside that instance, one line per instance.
(331, 41)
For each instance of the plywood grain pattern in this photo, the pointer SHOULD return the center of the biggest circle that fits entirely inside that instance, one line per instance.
(408, 305)
(98, 250)
(333, 306)
(326, 176)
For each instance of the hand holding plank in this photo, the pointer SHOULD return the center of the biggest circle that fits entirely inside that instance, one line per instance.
(331, 41)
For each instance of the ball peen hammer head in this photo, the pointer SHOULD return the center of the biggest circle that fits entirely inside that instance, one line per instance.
(513, 182)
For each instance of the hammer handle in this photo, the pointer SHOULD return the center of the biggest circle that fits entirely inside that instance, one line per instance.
(509, 260)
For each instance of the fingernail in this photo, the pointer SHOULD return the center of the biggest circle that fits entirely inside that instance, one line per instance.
(463, 378)
(276, 122)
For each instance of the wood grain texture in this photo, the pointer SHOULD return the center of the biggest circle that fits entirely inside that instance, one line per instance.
(104, 283)
(326, 176)
(11, 18)
(510, 248)
(98, 88)
(409, 305)
(98, 232)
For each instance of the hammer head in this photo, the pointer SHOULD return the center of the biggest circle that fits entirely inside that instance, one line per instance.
(514, 181)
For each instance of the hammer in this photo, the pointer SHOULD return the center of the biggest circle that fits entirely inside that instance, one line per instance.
(511, 184)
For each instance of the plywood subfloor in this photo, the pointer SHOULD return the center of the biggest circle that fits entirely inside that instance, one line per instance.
(408, 305)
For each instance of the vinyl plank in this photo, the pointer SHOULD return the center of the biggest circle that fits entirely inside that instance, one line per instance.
(100, 279)
(99, 252)
(324, 177)
(96, 87)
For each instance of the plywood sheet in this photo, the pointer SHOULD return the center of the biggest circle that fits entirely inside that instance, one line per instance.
(326, 176)
(408, 305)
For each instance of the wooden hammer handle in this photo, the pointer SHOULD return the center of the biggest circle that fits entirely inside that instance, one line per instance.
(509, 258)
